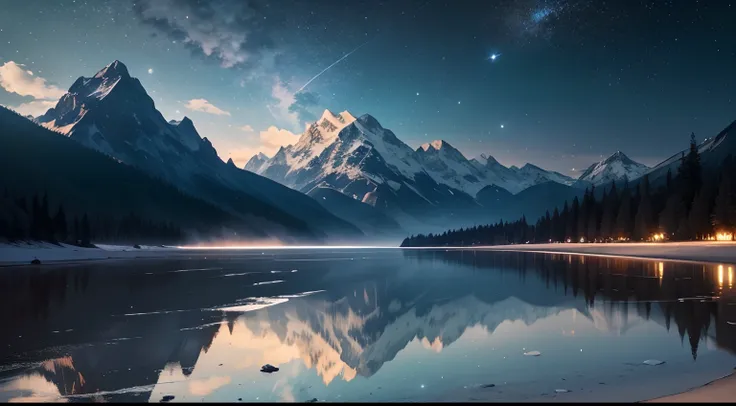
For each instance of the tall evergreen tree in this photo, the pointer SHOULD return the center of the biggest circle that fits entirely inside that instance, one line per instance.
(724, 212)
(60, 228)
(556, 235)
(644, 217)
(689, 174)
(36, 219)
(572, 220)
(623, 218)
(610, 211)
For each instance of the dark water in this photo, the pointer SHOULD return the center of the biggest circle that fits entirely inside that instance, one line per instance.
(362, 325)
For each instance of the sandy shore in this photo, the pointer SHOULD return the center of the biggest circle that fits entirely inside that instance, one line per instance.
(720, 390)
(700, 251)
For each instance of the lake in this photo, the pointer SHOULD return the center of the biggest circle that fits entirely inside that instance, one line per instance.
(364, 325)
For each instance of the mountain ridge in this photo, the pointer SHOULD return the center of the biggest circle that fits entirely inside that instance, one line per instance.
(112, 113)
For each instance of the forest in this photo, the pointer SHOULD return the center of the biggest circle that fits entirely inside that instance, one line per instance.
(33, 219)
(691, 205)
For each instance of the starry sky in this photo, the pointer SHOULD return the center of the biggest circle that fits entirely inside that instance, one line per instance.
(572, 81)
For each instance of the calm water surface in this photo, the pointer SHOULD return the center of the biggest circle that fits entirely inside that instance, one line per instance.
(362, 325)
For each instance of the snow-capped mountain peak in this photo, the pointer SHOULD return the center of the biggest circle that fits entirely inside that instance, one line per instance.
(614, 168)
(256, 162)
(116, 69)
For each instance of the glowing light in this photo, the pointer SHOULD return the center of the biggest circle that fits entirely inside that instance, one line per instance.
(277, 247)
(730, 276)
(720, 275)
(501, 125)
(582, 239)
(493, 57)
(661, 270)
(657, 237)
(724, 236)
(150, 71)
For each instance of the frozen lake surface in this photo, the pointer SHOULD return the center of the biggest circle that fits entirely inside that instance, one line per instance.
(365, 325)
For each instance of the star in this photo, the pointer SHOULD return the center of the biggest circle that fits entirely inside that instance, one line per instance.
(150, 71)
(493, 57)
(501, 125)
(458, 102)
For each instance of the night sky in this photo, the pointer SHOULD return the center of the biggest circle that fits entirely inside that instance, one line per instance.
(573, 81)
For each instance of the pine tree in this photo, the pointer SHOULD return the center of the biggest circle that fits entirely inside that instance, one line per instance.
(610, 210)
(60, 225)
(699, 221)
(643, 220)
(673, 210)
(689, 174)
(582, 223)
(77, 231)
(724, 210)
(556, 234)
(46, 225)
(36, 219)
(623, 226)
(572, 221)
(85, 232)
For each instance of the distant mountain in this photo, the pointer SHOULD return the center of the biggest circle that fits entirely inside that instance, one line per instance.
(85, 181)
(112, 113)
(612, 169)
(256, 162)
(434, 185)
(371, 221)
(712, 153)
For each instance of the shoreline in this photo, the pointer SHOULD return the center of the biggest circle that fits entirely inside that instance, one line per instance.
(719, 390)
(21, 254)
(717, 252)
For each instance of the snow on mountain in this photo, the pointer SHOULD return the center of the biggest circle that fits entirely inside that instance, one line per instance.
(712, 150)
(306, 162)
(255, 163)
(613, 168)
(448, 165)
(111, 112)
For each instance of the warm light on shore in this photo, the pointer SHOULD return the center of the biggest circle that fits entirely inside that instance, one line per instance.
(657, 237)
(720, 236)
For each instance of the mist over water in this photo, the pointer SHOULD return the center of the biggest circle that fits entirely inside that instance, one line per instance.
(364, 324)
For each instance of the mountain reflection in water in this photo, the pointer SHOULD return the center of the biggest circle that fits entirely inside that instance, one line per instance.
(371, 322)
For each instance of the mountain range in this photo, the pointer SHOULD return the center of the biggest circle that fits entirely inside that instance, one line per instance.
(434, 186)
(112, 114)
(347, 177)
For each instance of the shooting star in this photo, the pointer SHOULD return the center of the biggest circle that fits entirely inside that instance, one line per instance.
(328, 68)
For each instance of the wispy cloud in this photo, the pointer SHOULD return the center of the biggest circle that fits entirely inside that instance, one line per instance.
(206, 107)
(234, 32)
(247, 128)
(34, 108)
(293, 110)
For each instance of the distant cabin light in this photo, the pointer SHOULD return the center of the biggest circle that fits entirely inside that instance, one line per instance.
(657, 237)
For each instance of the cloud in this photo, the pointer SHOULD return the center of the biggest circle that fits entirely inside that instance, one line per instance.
(274, 138)
(14, 78)
(206, 107)
(34, 108)
(206, 386)
(268, 142)
(247, 128)
(234, 32)
(302, 102)
(292, 109)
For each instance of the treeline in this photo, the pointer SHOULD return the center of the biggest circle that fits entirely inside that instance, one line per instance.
(688, 206)
(34, 219)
